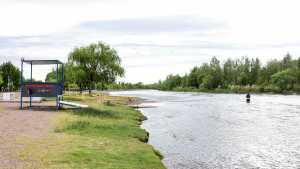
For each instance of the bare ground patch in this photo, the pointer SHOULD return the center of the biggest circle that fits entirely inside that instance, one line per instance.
(16, 126)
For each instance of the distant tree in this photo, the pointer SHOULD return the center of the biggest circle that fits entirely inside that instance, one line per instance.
(254, 71)
(243, 71)
(74, 76)
(185, 81)
(229, 72)
(298, 71)
(271, 68)
(51, 77)
(208, 82)
(243, 78)
(215, 73)
(203, 71)
(98, 63)
(237, 75)
(193, 79)
(284, 79)
(10, 76)
(1, 80)
(286, 62)
(172, 82)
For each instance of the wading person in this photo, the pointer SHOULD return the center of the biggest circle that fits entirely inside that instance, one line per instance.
(248, 98)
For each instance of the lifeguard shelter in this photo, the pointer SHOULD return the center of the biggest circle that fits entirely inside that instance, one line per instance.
(42, 89)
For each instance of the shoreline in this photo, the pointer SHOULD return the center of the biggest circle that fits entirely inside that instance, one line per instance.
(233, 92)
(217, 91)
(136, 104)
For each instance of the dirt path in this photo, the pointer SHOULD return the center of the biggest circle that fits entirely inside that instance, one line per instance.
(15, 124)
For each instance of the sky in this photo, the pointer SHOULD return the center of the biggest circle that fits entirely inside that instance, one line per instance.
(153, 38)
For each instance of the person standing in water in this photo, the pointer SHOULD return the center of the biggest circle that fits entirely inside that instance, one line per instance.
(248, 97)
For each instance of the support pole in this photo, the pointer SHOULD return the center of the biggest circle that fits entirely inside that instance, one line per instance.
(63, 80)
(30, 101)
(62, 73)
(57, 90)
(57, 73)
(21, 85)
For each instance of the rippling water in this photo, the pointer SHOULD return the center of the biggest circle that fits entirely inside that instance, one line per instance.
(200, 130)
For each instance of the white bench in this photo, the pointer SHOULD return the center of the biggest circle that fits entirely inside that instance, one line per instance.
(73, 104)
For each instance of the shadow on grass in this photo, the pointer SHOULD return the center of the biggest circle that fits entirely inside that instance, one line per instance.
(95, 113)
(115, 130)
(112, 122)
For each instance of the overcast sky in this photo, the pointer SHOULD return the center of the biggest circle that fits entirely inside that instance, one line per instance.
(153, 38)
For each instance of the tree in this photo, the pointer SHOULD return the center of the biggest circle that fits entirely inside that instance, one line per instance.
(193, 80)
(51, 77)
(1, 80)
(208, 82)
(98, 63)
(285, 74)
(172, 82)
(71, 75)
(243, 69)
(203, 71)
(10, 76)
(254, 71)
(271, 68)
(185, 81)
(229, 72)
(286, 62)
(215, 73)
(298, 71)
(284, 79)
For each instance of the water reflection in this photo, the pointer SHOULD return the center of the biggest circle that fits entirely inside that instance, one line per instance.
(196, 130)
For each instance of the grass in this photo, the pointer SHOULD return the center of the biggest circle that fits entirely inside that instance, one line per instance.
(99, 137)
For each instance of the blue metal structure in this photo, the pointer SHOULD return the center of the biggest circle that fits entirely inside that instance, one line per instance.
(41, 89)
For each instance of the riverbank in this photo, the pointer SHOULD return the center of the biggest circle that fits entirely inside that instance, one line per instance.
(116, 127)
(268, 89)
(237, 90)
(106, 135)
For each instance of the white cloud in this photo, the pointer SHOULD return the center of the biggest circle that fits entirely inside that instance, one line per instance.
(162, 36)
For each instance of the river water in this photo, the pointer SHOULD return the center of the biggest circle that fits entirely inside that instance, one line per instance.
(200, 130)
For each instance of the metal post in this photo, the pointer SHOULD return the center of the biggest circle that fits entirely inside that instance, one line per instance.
(57, 101)
(62, 73)
(21, 85)
(30, 102)
(57, 73)
(31, 72)
(63, 80)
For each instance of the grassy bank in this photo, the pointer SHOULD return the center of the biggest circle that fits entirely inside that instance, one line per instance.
(101, 136)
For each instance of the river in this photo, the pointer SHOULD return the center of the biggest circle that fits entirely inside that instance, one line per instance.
(201, 130)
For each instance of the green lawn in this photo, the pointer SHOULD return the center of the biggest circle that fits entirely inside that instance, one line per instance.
(104, 137)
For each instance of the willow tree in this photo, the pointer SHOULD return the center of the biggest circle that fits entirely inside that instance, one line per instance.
(99, 62)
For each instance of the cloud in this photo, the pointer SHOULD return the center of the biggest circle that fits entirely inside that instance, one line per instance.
(162, 36)
(168, 24)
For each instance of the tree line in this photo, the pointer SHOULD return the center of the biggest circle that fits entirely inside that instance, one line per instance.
(97, 66)
(238, 75)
